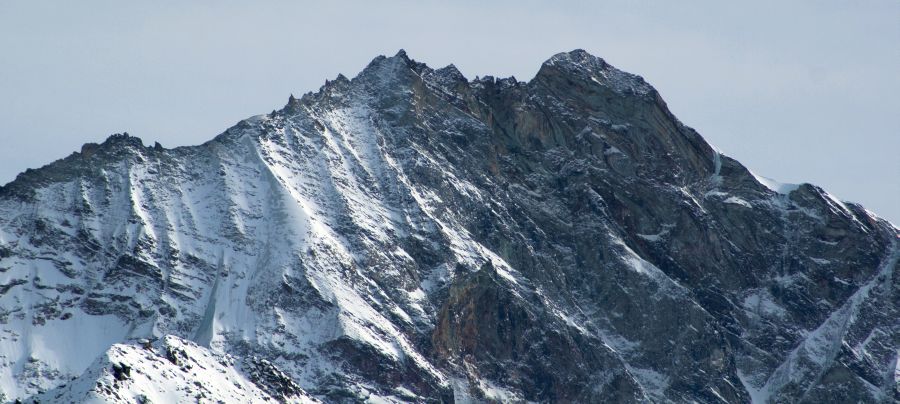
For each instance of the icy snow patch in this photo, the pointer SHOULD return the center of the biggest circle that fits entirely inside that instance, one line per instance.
(763, 303)
(781, 188)
(658, 236)
(738, 201)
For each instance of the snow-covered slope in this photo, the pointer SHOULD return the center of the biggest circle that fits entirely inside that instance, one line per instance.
(175, 371)
(409, 235)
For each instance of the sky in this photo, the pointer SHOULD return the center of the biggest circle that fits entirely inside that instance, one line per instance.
(800, 91)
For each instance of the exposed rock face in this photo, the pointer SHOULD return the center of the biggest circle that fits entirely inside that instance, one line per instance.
(409, 235)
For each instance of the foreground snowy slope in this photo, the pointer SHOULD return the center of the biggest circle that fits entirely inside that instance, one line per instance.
(175, 371)
(410, 235)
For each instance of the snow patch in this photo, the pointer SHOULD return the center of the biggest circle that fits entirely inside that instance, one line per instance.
(779, 187)
(738, 201)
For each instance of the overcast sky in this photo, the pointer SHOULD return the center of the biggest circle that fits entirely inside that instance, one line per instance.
(800, 91)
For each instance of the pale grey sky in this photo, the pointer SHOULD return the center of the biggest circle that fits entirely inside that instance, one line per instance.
(800, 91)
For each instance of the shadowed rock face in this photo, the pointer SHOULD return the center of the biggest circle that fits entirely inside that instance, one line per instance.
(486, 331)
(409, 235)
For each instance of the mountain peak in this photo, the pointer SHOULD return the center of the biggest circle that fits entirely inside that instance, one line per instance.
(451, 73)
(399, 59)
(579, 57)
(123, 139)
(592, 69)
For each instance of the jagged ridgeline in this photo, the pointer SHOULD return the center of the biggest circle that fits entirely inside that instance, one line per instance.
(409, 235)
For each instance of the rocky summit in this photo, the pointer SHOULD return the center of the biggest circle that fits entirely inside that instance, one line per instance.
(410, 235)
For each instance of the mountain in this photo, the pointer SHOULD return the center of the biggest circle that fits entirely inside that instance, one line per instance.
(413, 236)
